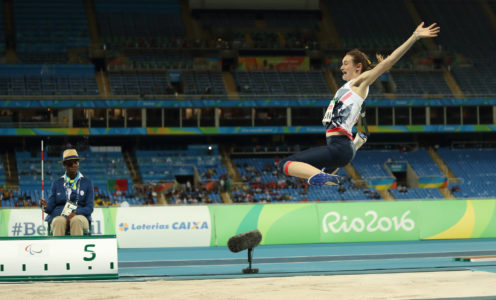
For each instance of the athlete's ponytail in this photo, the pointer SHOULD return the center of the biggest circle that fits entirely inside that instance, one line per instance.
(360, 57)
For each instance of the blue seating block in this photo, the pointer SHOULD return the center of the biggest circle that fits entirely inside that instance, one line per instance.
(475, 168)
(61, 26)
(64, 79)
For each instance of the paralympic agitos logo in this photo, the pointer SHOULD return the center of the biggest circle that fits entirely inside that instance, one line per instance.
(33, 249)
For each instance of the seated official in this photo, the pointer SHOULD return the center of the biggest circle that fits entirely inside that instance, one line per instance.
(71, 200)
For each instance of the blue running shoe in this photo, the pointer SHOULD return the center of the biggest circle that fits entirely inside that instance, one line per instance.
(320, 179)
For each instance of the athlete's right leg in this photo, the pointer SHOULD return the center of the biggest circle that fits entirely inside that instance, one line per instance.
(360, 140)
(308, 164)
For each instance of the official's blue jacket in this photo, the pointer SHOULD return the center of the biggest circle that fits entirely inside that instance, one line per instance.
(58, 197)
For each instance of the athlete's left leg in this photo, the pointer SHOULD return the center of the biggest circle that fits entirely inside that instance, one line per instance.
(308, 164)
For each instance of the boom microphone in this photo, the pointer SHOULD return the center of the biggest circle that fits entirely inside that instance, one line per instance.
(245, 240)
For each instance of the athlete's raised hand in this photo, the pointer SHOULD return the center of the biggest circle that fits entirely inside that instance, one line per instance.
(427, 32)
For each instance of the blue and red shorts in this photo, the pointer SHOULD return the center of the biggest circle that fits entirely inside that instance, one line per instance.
(338, 152)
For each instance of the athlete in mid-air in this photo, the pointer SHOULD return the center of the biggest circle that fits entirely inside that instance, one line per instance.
(343, 112)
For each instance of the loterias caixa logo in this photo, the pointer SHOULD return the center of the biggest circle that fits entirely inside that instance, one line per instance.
(185, 225)
(123, 226)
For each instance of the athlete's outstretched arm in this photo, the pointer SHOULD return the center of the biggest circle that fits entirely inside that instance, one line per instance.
(367, 78)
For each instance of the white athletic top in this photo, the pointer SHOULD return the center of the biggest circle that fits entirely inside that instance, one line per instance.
(343, 111)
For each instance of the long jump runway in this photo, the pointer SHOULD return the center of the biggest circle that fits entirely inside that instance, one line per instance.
(307, 259)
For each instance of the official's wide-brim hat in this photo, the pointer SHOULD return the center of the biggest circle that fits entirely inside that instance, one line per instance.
(70, 154)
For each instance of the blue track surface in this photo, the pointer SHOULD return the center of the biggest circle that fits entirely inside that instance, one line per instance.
(308, 259)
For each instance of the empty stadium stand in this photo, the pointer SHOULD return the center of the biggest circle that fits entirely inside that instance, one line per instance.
(383, 24)
(42, 58)
(2, 31)
(476, 80)
(203, 83)
(460, 36)
(277, 30)
(292, 20)
(475, 167)
(64, 79)
(99, 167)
(160, 61)
(139, 83)
(292, 83)
(139, 24)
(411, 84)
(417, 194)
(103, 168)
(219, 19)
(158, 83)
(371, 163)
(61, 26)
(29, 171)
(196, 161)
(2, 175)
(473, 71)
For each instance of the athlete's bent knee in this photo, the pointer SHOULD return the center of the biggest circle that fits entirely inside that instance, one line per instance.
(284, 165)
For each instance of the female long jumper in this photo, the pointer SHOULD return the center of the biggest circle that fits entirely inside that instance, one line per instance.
(343, 112)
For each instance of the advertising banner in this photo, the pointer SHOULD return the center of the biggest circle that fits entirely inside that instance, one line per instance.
(281, 223)
(294, 223)
(277, 63)
(433, 182)
(4, 222)
(100, 131)
(207, 63)
(334, 61)
(171, 226)
(368, 221)
(248, 102)
(28, 222)
(455, 219)
(382, 183)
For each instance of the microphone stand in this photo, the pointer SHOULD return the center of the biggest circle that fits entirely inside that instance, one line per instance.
(250, 270)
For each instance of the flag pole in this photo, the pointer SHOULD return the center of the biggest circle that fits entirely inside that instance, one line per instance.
(42, 184)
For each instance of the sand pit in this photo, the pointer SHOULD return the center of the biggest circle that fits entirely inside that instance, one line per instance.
(419, 285)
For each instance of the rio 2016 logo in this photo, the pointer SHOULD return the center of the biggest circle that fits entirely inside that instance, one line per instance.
(336, 223)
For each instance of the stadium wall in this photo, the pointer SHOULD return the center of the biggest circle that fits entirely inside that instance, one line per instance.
(286, 223)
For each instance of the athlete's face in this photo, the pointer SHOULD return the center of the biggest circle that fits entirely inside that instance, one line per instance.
(349, 69)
